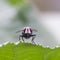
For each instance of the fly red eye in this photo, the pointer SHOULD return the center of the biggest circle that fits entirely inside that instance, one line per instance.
(24, 29)
(30, 29)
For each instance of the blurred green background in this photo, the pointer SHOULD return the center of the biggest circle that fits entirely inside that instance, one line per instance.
(16, 14)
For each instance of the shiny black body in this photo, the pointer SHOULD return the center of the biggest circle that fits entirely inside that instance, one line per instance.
(27, 36)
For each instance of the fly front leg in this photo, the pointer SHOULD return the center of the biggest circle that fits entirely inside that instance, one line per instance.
(23, 39)
(33, 37)
(20, 37)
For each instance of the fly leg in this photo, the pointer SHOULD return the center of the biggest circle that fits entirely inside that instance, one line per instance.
(23, 39)
(33, 37)
(21, 36)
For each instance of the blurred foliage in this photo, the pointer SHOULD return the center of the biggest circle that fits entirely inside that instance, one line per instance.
(23, 9)
(28, 51)
(23, 14)
(17, 2)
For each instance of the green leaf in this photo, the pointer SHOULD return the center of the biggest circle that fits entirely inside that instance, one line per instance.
(28, 51)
